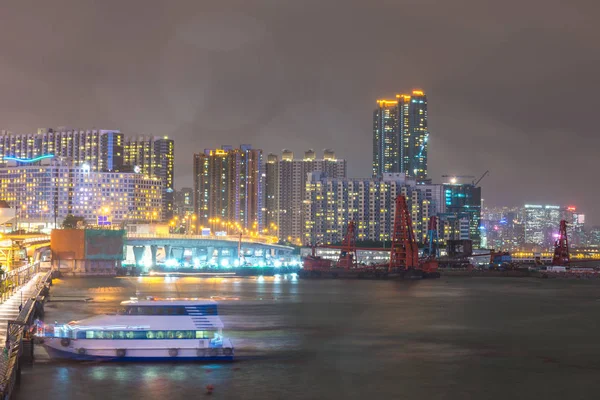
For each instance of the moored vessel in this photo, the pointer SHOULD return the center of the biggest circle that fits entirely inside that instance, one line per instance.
(143, 330)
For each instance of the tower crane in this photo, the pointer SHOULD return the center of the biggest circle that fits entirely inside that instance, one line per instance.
(474, 182)
(481, 177)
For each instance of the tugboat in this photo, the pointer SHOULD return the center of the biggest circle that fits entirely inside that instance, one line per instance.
(313, 265)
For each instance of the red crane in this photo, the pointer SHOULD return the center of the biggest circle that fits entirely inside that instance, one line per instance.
(561, 247)
(348, 257)
(404, 253)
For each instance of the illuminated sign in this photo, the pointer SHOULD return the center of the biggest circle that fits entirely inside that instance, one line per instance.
(29, 160)
(103, 220)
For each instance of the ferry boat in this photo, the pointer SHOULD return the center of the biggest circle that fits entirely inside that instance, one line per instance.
(143, 330)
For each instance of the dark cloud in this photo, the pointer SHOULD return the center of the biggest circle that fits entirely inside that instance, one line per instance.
(512, 85)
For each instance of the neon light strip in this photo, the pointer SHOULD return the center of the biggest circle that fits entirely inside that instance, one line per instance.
(29, 160)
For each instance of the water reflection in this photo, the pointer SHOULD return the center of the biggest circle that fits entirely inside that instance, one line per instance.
(448, 339)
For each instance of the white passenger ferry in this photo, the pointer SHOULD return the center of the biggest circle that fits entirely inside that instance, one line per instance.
(143, 330)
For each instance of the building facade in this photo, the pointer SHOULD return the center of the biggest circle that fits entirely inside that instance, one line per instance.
(541, 222)
(463, 201)
(43, 195)
(386, 138)
(503, 228)
(414, 134)
(153, 155)
(400, 135)
(289, 191)
(271, 209)
(228, 186)
(100, 149)
(183, 202)
(331, 203)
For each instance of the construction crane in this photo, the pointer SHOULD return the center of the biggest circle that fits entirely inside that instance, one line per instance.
(404, 259)
(453, 178)
(404, 253)
(481, 177)
(348, 256)
(474, 182)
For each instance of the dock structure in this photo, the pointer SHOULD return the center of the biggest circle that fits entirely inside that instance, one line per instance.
(23, 298)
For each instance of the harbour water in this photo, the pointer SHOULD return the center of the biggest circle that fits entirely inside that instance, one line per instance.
(451, 338)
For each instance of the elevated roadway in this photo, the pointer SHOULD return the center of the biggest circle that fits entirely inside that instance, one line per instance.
(204, 247)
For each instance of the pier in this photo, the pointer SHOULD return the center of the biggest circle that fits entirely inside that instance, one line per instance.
(24, 293)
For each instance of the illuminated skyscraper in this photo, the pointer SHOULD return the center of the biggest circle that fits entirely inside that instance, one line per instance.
(463, 201)
(386, 144)
(413, 133)
(271, 211)
(153, 155)
(228, 186)
(400, 135)
(290, 189)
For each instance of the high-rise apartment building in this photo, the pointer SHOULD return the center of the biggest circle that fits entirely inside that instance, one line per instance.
(332, 202)
(228, 185)
(386, 138)
(45, 194)
(100, 149)
(271, 210)
(414, 135)
(287, 190)
(400, 135)
(153, 155)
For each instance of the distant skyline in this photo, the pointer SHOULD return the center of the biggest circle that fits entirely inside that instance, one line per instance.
(510, 92)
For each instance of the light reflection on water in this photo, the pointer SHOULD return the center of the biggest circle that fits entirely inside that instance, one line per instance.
(443, 339)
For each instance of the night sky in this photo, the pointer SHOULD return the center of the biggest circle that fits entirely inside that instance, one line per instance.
(512, 87)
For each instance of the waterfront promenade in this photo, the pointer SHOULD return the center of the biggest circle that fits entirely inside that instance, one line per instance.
(9, 308)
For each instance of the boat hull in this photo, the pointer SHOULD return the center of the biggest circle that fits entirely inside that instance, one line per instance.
(83, 350)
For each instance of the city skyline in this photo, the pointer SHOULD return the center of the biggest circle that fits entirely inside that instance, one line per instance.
(491, 92)
(144, 144)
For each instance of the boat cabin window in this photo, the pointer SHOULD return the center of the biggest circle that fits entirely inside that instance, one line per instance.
(169, 310)
(123, 335)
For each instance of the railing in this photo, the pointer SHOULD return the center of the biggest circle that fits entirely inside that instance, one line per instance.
(12, 280)
(231, 238)
(37, 239)
(13, 347)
